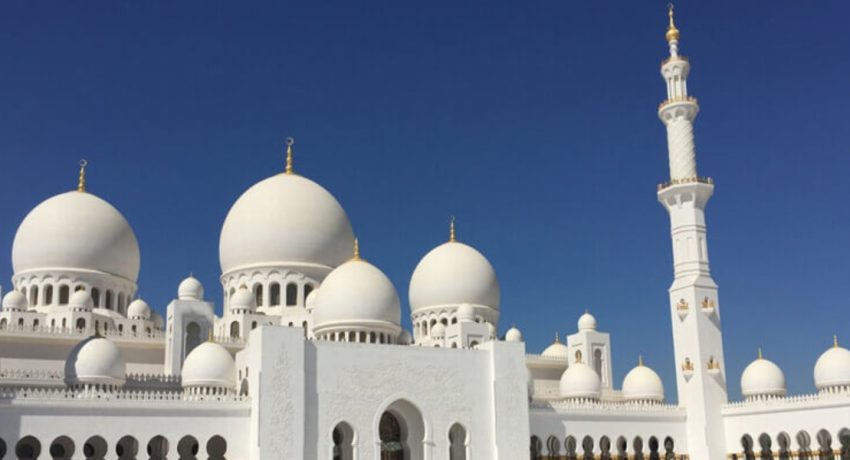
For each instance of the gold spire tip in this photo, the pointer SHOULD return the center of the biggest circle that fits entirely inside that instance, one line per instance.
(356, 255)
(640, 360)
(557, 338)
(81, 183)
(289, 142)
(835, 341)
(452, 233)
(672, 31)
(761, 356)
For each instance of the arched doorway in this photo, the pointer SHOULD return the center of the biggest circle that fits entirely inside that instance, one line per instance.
(457, 442)
(193, 338)
(343, 440)
(401, 432)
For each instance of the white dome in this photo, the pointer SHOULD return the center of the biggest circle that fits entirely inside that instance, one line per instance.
(466, 313)
(243, 299)
(580, 381)
(285, 219)
(762, 378)
(438, 331)
(586, 322)
(95, 360)
(357, 293)
(513, 335)
(453, 273)
(557, 350)
(81, 300)
(833, 368)
(209, 365)
(139, 309)
(643, 384)
(14, 301)
(76, 230)
(190, 289)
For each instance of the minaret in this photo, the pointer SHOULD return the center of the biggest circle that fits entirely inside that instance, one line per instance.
(697, 338)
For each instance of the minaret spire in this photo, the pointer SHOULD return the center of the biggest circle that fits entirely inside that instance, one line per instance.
(697, 335)
(289, 142)
(81, 181)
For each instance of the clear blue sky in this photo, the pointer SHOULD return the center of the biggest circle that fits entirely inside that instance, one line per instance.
(533, 122)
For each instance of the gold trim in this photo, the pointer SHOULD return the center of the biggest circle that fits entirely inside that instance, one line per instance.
(289, 142)
(81, 181)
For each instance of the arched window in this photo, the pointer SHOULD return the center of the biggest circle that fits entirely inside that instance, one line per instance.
(193, 337)
(187, 448)
(258, 294)
(308, 288)
(120, 302)
(843, 440)
(64, 294)
(3, 323)
(109, 300)
(343, 440)
(747, 446)
(391, 440)
(291, 294)
(28, 448)
(571, 446)
(535, 448)
(95, 297)
(34, 296)
(653, 448)
(216, 447)
(604, 448)
(95, 448)
(253, 325)
(637, 445)
(35, 323)
(669, 448)
(127, 448)
(457, 442)
(825, 444)
(48, 295)
(274, 294)
(20, 322)
(234, 329)
(158, 448)
(62, 448)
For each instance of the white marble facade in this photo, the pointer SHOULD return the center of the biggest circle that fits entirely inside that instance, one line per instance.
(309, 359)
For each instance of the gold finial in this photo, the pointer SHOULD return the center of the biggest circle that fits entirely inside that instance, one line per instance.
(640, 360)
(835, 341)
(557, 339)
(761, 356)
(356, 255)
(672, 31)
(452, 234)
(81, 183)
(289, 142)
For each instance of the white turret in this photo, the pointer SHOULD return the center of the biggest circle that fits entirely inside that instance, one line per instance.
(697, 338)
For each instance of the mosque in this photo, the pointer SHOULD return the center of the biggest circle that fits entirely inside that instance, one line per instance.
(309, 359)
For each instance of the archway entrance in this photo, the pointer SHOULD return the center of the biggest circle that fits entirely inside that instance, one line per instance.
(401, 432)
(343, 439)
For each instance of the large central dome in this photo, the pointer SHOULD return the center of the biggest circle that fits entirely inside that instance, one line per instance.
(285, 219)
(78, 231)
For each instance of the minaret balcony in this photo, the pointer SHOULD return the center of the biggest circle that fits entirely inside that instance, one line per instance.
(677, 100)
(686, 180)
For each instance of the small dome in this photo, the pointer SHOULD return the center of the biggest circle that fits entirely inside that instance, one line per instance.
(586, 322)
(283, 220)
(832, 369)
(139, 309)
(643, 384)
(762, 378)
(357, 294)
(466, 313)
(76, 231)
(14, 301)
(209, 365)
(453, 273)
(190, 289)
(242, 299)
(95, 360)
(438, 331)
(513, 335)
(81, 300)
(580, 381)
(557, 350)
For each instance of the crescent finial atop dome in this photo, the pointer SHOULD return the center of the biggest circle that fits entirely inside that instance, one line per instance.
(81, 182)
(289, 142)
(356, 255)
(672, 31)
(452, 234)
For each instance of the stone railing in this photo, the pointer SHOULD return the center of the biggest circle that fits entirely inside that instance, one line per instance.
(688, 180)
(75, 394)
(228, 340)
(66, 332)
(31, 375)
(785, 401)
(587, 404)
